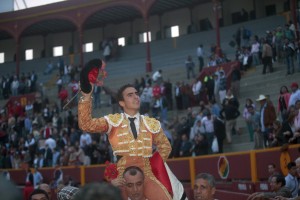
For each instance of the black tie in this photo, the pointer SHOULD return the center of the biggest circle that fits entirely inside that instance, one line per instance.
(132, 126)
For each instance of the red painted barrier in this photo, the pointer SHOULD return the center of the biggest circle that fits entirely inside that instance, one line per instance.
(213, 166)
(239, 173)
(181, 169)
(227, 195)
(94, 173)
(227, 67)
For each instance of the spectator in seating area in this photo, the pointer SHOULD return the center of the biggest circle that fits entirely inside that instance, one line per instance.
(267, 116)
(289, 50)
(97, 97)
(288, 133)
(146, 98)
(29, 176)
(278, 188)
(297, 161)
(186, 146)
(37, 177)
(39, 194)
(266, 56)
(178, 95)
(275, 136)
(254, 122)
(208, 124)
(205, 187)
(291, 179)
(67, 193)
(157, 77)
(230, 113)
(85, 139)
(107, 52)
(235, 81)
(295, 94)
(283, 102)
(63, 96)
(222, 86)
(200, 55)
(99, 191)
(190, 67)
(255, 51)
(272, 171)
(247, 117)
(46, 188)
(15, 86)
(220, 131)
(200, 146)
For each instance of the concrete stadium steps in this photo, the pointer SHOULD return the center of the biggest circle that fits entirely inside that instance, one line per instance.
(238, 147)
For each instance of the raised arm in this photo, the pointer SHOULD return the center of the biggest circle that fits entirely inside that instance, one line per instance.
(85, 120)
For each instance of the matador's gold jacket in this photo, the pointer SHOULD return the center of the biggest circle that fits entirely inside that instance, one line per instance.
(121, 139)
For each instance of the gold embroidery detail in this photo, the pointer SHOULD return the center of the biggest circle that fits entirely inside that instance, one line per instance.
(151, 124)
(115, 119)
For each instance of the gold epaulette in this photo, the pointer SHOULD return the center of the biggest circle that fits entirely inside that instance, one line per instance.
(151, 124)
(114, 119)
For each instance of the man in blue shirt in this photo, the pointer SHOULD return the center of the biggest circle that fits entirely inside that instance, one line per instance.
(291, 179)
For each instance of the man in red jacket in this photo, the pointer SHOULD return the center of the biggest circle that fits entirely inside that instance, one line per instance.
(63, 95)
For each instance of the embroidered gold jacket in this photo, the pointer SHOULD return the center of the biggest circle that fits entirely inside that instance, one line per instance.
(120, 138)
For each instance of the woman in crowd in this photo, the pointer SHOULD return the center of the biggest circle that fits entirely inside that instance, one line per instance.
(283, 102)
(247, 115)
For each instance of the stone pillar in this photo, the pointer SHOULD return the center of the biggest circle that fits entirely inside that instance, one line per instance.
(148, 51)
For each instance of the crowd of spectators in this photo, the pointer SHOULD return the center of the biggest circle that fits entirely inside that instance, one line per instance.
(42, 134)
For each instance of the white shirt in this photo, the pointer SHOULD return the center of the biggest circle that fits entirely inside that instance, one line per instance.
(146, 95)
(294, 97)
(292, 184)
(196, 88)
(208, 124)
(15, 84)
(255, 47)
(29, 143)
(51, 143)
(136, 121)
(85, 137)
(200, 52)
(156, 75)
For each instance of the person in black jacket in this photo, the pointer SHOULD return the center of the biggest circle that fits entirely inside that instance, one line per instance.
(230, 113)
(220, 133)
(201, 145)
(29, 176)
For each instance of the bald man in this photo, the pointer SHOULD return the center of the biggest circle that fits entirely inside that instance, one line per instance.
(47, 189)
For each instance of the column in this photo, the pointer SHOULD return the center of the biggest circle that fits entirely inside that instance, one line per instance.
(17, 55)
(81, 61)
(293, 7)
(148, 61)
(217, 8)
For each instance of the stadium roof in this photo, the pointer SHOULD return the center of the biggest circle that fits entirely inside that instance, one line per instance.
(114, 14)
